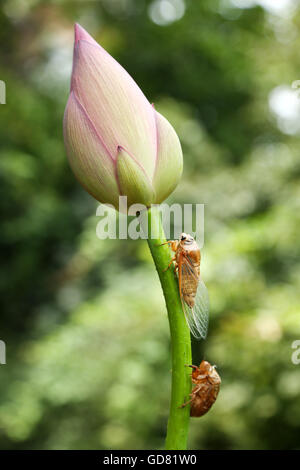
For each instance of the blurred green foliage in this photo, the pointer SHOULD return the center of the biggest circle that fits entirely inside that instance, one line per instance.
(88, 355)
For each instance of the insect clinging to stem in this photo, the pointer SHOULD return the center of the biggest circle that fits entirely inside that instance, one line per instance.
(193, 292)
(207, 385)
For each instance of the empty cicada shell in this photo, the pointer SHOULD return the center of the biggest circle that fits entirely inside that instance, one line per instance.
(207, 385)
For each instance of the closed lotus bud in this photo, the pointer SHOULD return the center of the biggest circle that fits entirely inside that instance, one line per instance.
(117, 144)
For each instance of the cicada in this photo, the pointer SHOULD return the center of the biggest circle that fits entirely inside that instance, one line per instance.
(206, 390)
(193, 292)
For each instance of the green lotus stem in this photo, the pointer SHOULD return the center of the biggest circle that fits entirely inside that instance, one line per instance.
(178, 423)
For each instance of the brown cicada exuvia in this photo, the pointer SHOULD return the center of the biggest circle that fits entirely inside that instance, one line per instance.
(207, 385)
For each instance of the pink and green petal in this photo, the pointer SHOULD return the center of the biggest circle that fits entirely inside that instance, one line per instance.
(133, 181)
(169, 159)
(116, 105)
(88, 157)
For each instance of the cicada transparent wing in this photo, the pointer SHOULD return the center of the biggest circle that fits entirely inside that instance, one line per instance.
(196, 316)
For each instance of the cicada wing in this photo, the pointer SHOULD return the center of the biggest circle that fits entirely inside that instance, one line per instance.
(201, 309)
(189, 268)
(197, 316)
(190, 319)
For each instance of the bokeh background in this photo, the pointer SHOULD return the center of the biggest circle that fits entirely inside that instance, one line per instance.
(84, 321)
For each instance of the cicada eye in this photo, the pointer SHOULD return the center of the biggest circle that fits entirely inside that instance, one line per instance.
(183, 236)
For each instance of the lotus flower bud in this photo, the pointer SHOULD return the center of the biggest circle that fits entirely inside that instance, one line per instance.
(117, 144)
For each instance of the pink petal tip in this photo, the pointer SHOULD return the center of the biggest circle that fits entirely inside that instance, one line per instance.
(82, 34)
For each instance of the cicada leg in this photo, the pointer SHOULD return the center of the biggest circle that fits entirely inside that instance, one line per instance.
(186, 403)
(196, 389)
(168, 267)
(194, 392)
(173, 244)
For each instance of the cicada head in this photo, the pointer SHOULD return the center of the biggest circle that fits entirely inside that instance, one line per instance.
(204, 370)
(186, 239)
(196, 372)
(205, 367)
